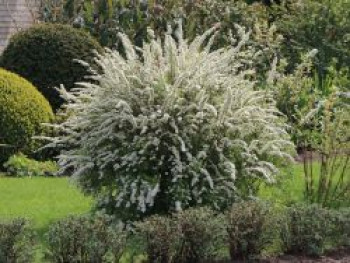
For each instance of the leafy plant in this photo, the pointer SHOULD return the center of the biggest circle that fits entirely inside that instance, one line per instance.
(181, 127)
(16, 241)
(323, 25)
(104, 19)
(22, 111)
(159, 236)
(189, 236)
(84, 239)
(341, 233)
(308, 228)
(329, 184)
(318, 110)
(201, 235)
(246, 227)
(21, 165)
(46, 55)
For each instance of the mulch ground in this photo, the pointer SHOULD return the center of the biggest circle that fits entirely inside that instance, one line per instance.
(339, 256)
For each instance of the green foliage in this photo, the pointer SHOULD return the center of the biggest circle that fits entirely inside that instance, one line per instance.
(46, 55)
(308, 227)
(201, 235)
(246, 227)
(16, 241)
(84, 239)
(305, 25)
(22, 111)
(189, 236)
(20, 165)
(315, 24)
(320, 125)
(105, 19)
(341, 233)
(317, 109)
(158, 236)
(330, 185)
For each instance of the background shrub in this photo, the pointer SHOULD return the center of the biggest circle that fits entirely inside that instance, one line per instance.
(21, 165)
(16, 242)
(22, 111)
(246, 226)
(107, 18)
(45, 53)
(104, 19)
(310, 24)
(85, 239)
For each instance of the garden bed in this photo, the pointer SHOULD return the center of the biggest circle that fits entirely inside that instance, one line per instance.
(337, 256)
(341, 256)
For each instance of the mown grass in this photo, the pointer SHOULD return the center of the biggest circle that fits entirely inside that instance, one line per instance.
(290, 185)
(288, 188)
(42, 201)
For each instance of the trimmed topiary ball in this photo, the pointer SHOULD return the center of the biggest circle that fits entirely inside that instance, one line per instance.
(46, 55)
(22, 111)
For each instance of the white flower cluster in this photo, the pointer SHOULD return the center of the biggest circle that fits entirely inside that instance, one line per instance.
(172, 124)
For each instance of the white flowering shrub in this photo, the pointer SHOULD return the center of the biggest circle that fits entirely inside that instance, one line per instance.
(170, 126)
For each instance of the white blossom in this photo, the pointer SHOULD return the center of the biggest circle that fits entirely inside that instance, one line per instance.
(175, 112)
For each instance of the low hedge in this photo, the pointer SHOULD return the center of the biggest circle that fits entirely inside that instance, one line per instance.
(85, 239)
(16, 241)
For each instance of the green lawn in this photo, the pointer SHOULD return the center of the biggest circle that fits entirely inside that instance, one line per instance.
(44, 200)
(290, 185)
(288, 188)
(41, 200)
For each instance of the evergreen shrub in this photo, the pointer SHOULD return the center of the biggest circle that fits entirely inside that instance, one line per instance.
(22, 111)
(46, 55)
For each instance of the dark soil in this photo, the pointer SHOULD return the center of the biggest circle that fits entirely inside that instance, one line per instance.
(339, 256)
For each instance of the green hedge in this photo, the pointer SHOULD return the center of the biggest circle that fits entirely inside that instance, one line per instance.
(82, 239)
(45, 55)
(22, 111)
(16, 241)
